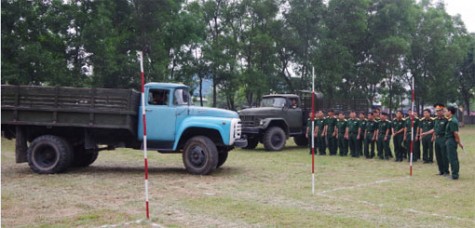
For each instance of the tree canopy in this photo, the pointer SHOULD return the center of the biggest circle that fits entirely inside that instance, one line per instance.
(362, 48)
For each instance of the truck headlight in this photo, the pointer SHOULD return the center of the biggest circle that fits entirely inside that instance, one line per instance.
(262, 122)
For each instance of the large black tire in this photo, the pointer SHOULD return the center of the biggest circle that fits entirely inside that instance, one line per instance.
(49, 154)
(251, 143)
(83, 157)
(222, 157)
(274, 139)
(301, 140)
(200, 155)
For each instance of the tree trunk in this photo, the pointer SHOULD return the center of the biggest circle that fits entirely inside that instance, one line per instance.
(201, 91)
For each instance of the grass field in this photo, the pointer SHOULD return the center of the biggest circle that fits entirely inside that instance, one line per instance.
(254, 188)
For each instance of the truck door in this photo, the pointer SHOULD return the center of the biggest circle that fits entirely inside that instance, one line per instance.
(161, 117)
(294, 115)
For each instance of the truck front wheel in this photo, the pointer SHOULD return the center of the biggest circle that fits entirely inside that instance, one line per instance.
(222, 157)
(274, 139)
(49, 154)
(301, 140)
(200, 155)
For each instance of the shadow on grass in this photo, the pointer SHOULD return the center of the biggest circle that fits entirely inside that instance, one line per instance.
(285, 149)
(128, 170)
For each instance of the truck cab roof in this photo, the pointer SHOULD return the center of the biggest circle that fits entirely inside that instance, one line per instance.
(165, 85)
(281, 95)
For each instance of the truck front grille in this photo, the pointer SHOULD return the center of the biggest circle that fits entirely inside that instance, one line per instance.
(248, 121)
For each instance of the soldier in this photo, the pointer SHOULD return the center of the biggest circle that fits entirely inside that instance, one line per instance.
(438, 135)
(452, 139)
(426, 125)
(309, 131)
(370, 136)
(330, 132)
(417, 141)
(361, 134)
(353, 130)
(319, 125)
(342, 134)
(408, 135)
(398, 136)
(384, 137)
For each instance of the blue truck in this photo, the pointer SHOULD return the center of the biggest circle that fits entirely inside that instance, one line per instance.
(56, 128)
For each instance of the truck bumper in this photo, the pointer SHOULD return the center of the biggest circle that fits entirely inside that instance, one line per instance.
(251, 130)
(240, 143)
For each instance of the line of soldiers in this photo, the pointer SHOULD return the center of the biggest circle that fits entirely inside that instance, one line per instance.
(361, 134)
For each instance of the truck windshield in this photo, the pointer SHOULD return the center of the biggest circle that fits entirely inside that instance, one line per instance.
(182, 97)
(277, 102)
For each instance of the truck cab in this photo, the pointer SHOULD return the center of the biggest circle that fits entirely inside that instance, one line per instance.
(174, 125)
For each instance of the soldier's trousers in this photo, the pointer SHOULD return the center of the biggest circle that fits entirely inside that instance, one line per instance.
(398, 148)
(453, 157)
(359, 144)
(332, 144)
(342, 145)
(353, 145)
(427, 148)
(369, 146)
(384, 152)
(441, 155)
(321, 145)
(416, 150)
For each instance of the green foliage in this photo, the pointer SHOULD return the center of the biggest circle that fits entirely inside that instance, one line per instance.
(359, 48)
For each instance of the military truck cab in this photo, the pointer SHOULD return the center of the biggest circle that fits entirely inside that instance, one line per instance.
(279, 117)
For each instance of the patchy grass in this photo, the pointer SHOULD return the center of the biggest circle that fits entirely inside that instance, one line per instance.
(254, 188)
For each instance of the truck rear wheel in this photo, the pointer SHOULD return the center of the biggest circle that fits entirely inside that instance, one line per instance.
(251, 143)
(274, 139)
(49, 154)
(301, 140)
(222, 157)
(83, 157)
(200, 155)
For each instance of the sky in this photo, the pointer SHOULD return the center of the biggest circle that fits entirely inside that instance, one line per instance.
(466, 8)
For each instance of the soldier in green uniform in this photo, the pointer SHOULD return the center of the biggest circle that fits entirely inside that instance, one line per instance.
(384, 136)
(398, 136)
(452, 139)
(353, 126)
(342, 134)
(319, 125)
(361, 134)
(408, 135)
(310, 131)
(438, 135)
(417, 138)
(330, 132)
(370, 136)
(426, 125)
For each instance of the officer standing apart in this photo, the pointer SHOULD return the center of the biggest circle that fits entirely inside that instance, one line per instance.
(319, 129)
(452, 140)
(426, 125)
(384, 136)
(398, 136)
(342, 134)
(438, 137)
(330, 132)
(361, 134)
(370, 136)
(353, 127)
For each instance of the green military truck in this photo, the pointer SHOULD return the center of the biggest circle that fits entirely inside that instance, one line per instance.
(278, 117)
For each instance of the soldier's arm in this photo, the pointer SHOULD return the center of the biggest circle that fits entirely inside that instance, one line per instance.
(375, 135)
(359, 132)
(386, 135)
(457, 139)
(346, 132)
(306, 132)
(335, 130)
(431, 131)
(315, 132)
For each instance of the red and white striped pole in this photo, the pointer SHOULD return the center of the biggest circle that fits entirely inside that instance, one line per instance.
(312, 129)
(144, 120)
(412, 129)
